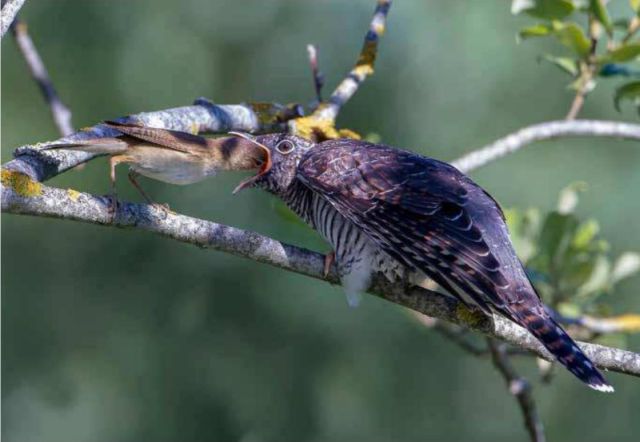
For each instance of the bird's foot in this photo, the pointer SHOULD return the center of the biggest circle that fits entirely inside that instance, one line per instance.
(112, 208)
(329, 259)
(164, 208)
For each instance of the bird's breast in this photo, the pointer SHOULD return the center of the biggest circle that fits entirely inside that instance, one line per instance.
(169, 166)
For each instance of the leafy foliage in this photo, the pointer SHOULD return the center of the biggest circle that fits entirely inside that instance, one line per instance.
(567, 259)
(597, 46)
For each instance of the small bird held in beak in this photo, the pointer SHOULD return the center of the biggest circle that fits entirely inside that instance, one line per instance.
(170, 156)
(390, 211)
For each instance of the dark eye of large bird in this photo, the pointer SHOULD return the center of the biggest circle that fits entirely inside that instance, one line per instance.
(285, 147)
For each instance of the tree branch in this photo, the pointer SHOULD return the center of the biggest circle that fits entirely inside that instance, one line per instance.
(22, 195)
(518, 387)
(363, 68)
(61, 113)
(545, 131)
(10, 9)
(318, 77)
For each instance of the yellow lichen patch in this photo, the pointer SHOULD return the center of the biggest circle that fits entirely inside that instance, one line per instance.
(194, 128)
(315, 129)
(367, 58)
(627, 323)
(272, 113)
(361, 71)
(378, 28)
(267, 113)
(348, 133)
(470, 317)
(73, 194)
(22, 184)
(319, 129)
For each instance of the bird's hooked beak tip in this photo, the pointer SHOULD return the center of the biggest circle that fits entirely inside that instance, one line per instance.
(266, 164)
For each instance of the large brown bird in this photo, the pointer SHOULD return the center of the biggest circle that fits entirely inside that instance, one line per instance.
(392, 211)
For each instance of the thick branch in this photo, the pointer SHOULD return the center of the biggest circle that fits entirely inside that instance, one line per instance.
(202, 116)
(545, 131)
(21, 195)
(61, 113)
(10, 9)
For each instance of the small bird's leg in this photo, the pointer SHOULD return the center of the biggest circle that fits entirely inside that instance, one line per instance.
(113, 208)
(329, 259)
(133, 175)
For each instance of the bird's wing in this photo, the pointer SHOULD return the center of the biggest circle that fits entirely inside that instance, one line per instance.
(171, 139)
(421, 211)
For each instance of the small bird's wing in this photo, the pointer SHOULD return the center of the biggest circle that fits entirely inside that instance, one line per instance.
(424, 213)
(171, 139)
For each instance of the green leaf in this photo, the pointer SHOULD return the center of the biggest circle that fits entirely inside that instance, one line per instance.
(623, 53)
(599, 10)
(585, 233)
(635, 5)
(523, 228)
(630, 91)
(598, 281)
(545, 9)
(625, 266)
(565, 64)
(555, 238)
(568, 199)
(572, 36)
(539, 30)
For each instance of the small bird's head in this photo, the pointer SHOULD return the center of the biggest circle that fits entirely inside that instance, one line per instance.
(281, 155)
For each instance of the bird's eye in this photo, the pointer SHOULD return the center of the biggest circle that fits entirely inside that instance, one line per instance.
(285, 147)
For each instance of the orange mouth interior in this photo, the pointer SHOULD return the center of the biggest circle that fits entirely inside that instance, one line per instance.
(266, 164)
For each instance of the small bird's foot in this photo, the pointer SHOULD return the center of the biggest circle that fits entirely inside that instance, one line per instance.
(113, 207)
(164, 208)
(329, 259)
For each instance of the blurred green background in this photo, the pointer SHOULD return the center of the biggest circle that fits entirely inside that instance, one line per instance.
(114, 335)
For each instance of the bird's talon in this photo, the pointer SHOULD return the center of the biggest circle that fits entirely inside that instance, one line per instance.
(164, 208)
(329, 259)
(112, 207)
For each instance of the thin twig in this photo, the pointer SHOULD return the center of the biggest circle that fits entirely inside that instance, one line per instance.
(10, 9)
(363, 67)
(520, 388)
(588, 70)
(318, 77)
(545, 131)
(634, 26)
(61, 113)
(21, 195)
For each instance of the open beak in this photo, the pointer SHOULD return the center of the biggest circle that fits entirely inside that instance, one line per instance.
(266, 164)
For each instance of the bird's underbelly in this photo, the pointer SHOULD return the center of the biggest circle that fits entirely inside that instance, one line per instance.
(170, 166)
(357, 257)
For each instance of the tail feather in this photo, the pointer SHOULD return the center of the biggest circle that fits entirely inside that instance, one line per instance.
(566, 351)
(95, 145)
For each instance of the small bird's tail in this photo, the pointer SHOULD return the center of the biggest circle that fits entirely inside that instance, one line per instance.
(95, 145)
(566, 351)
